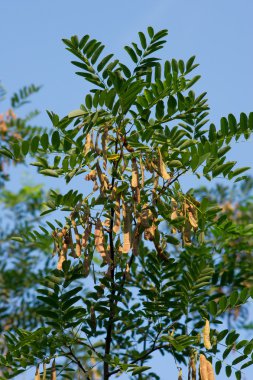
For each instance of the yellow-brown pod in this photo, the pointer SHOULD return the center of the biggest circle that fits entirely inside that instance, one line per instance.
(37, 373)
(116, 225)
(53, 371)
(210, 371)
(162, 168)
(203, 367)
(206, 335)
(126, 228)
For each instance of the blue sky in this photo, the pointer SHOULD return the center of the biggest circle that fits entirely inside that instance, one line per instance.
(218, 32)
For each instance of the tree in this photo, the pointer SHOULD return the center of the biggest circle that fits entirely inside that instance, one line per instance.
(137, 270)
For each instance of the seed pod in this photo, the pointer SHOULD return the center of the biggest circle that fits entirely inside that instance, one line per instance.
(135, 174)
(87, 144)
(44, 371)
(93, 317)
(104, 139)
(136, 241)
(126, 213)
(162, 168)
(37, 373)
(192, 367)
(210, 371)
(146, 217)
(62, 255)
(206, 335)
(86, 266)
(86, 235)
(116, 225)
(155, 185)
(95, 187)
(203, 367)
(53, 371)
(91, 176)
(193, 220)
(180, 374)
(77, 236)
(99, 241)
(149, 233)
(142, 173)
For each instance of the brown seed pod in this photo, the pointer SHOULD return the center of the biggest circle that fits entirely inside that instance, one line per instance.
(86, 266)
(62, 256)
(206, 335)
(126, 213)
(37, 373)
(142, 173)
(77, 236)
(135, 174)
(210, 371)
(162, 168)
(149, 233)
(116, 224)
(203, 367)
(86, 235)
(87, 144)
(99, 241)
(53, 371)
(146, 217)
(93, 317)
(193, 220)
(91, 176)
(104, 140)
(44, 371)
(136, 240)
(95, 187)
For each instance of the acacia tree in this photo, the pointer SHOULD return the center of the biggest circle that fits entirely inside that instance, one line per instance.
(137, 271)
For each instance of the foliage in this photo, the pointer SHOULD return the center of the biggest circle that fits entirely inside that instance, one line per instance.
(138, 270)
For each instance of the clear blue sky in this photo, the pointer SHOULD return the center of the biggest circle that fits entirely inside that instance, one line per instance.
(218, 32)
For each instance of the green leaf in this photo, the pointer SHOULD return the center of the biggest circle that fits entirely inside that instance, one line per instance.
(228, 370)
(138, 370)
(76, 113)
(49, 172)
(218, 366)
(131, 53)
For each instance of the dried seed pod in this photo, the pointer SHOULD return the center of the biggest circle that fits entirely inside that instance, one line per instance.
(162, 168)
(206, 335)
(95, 187)
(99, 241)
(77, 236)
(136, 240)
(53, 371)
(203, 367)
(91, 176)
(149, 233)
(87, 144)
(210, 371)
(142, 173)
(116, 224)
(86, 235)
(192, 367)
(86, 266)
(126, 213)
(155, 185)
(146, 217)
(44, 371)
(62, 255)
(180, 374)
(93, 317)
(104, 140)
(135, 174)
(37, 373)
(193, 220)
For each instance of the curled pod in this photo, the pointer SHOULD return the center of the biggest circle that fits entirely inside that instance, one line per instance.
(53, 371)
(162, 168)
(37, 373)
